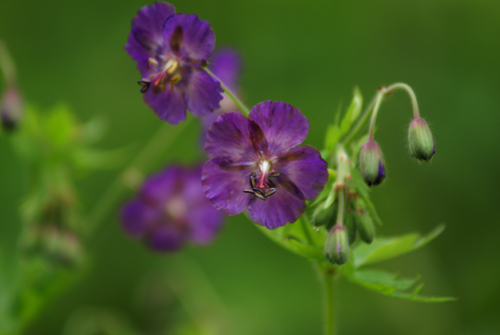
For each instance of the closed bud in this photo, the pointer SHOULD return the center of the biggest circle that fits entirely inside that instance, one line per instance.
(350, 226)
(420, 138)
(325, 215)
(364, 225)
(371, 163)
(11, 108)
(337, 246)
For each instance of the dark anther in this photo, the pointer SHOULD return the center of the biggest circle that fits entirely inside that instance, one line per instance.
(260, 193)
(144, 85)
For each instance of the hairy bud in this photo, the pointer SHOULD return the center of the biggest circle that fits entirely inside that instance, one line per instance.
(364, 224)
(420, 138)
(337, 246)
(371, 163)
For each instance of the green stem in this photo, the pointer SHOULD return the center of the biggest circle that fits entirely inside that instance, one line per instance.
(231, 95)
(352, 135)
(7, 65)
(410, 92)
(306, 224)
(379, 98)
(157, 144)
(330, 315)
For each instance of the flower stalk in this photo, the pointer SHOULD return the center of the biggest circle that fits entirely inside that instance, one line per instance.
(244, 109)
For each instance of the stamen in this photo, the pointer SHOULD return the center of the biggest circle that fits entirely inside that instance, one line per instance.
(153, 61)
(171, 66)
(145, 85)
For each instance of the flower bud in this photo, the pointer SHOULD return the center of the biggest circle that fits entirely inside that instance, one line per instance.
(371, 163)
(350, 226)
(337, 246)
(421, 142)
(364, 224)
(325, 216)
(11, 108)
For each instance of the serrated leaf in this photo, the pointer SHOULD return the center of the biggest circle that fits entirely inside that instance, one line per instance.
(391, 285)
(386, 248)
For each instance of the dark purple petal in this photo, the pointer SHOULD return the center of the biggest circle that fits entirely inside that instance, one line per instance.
(169, 105)
(283, 125)
(198, 39)
(145, 39)
(228, 141)
(166, 238)
(224, 186)
(286, 205)
(226, 65)
(136, 217)
(202, 92)
(305, 168)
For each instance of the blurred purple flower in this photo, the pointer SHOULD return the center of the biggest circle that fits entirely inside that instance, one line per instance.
(255, 164)
(170, 50)
(171, 209)
(226, 65)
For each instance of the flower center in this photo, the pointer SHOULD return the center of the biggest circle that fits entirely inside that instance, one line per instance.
(162, 75)
(262, 186)
(176, 208)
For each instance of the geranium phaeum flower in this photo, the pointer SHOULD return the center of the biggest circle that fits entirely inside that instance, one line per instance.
(255, 164)
(226, 65)
(170, 50)
(171, 209)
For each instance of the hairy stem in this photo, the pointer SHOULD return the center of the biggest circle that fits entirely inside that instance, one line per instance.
(231, 95)
(410, 92)
(330, 312)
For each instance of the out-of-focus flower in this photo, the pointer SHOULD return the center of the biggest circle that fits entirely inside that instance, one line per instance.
(11, 109)
(170, 50)
(226, 65)
(420, 138)
(371, 163)
(255, 164)
(171, 209)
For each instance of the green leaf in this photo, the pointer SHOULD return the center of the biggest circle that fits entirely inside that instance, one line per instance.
(386, 248)
(391, 285)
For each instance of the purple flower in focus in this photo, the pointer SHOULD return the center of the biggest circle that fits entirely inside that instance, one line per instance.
(171, 209)
(226, 65)
(255, 164)
(170, 50)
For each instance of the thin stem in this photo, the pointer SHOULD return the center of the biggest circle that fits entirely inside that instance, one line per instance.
(330, 315)
(306, 224)
(352, 135)
(158, 143)
(231, 95)
(371, 130)
(410, 92)
(7, 65)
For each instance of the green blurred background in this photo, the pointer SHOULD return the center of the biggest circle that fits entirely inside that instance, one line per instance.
(309, 54)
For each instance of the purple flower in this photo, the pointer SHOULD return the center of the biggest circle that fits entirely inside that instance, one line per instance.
(171, 209)
(255, 164)
(226, 65)
(170, 50)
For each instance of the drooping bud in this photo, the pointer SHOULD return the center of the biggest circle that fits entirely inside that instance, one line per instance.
(364, 224)
(420, 138)
(371, 163)
(337, 246)
(11, 108)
